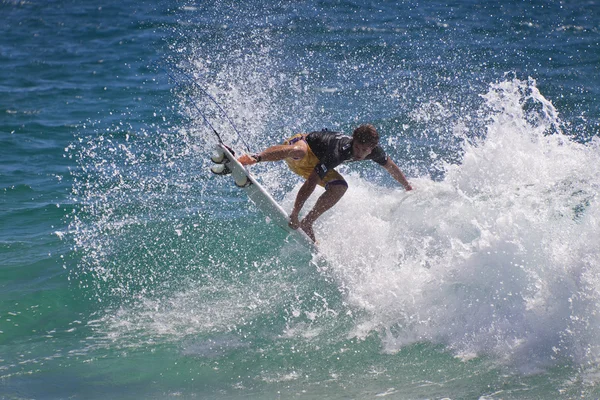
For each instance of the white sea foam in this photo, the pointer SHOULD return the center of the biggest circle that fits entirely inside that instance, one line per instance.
(501, 257)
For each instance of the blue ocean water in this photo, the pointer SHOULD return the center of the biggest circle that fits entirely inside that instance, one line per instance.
(128, 271)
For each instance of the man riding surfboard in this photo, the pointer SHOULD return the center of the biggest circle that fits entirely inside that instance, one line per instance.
(314, 156)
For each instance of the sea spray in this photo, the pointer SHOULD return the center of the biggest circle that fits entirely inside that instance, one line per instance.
(499, 258)
(167, 282)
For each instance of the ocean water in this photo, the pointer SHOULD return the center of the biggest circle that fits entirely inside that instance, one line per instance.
(129, 271)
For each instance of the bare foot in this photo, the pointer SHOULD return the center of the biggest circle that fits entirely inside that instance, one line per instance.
(308, 229)
(294, 223)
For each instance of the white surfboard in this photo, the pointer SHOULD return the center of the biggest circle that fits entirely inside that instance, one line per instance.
(259, 196)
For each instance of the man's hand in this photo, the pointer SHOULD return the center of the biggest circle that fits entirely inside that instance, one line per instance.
(247, 159)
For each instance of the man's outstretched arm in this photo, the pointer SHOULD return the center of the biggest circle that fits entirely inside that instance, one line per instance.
(397, 174)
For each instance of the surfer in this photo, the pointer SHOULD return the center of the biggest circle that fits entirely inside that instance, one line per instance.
(314, 156)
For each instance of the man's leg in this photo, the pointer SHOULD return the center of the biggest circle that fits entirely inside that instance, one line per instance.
(278, 152)
(333, 193)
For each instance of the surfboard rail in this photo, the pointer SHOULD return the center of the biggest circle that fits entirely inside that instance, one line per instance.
(259, 195)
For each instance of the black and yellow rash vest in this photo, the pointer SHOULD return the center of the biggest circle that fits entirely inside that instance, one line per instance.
(333, 148)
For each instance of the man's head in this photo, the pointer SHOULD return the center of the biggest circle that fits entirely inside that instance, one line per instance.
(364, 139)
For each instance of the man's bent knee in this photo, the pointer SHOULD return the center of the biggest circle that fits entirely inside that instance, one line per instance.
(338, 184)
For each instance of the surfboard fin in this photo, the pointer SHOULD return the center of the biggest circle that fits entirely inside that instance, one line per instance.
(218, 156)
(220, 169)
(242, 182)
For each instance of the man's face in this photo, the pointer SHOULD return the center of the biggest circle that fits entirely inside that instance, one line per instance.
(361, 150)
